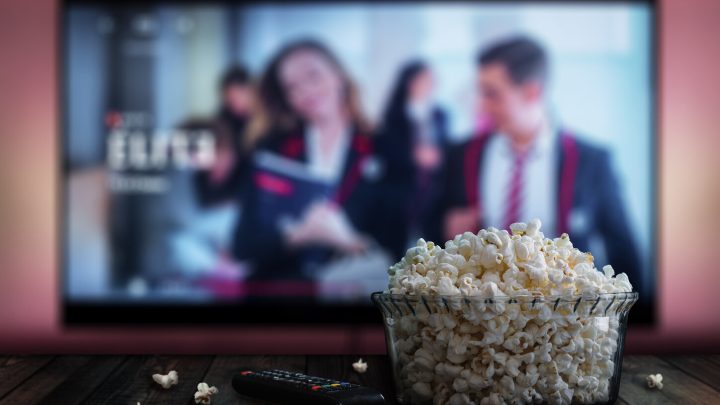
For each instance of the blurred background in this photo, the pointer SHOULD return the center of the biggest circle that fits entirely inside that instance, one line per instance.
(689, 189)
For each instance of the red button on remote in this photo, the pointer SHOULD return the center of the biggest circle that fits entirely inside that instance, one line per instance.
(316, 387)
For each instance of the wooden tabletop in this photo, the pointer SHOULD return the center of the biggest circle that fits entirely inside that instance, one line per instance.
(127, 380)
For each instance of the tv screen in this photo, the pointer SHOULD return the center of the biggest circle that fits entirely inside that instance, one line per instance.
(250, 162)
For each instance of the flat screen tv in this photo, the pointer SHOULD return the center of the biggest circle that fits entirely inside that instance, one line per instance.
(267, 162)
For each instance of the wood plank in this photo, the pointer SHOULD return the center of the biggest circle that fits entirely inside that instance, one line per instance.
(679, 387)
(122, 379)
(132, 381)
(45, 380)
(223, 367)
(16, 369)
(81, 383)
(378, 375)
(701, 367)
(119, 380)
(715, 358)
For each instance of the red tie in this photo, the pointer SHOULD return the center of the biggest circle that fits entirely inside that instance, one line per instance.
(515, 191)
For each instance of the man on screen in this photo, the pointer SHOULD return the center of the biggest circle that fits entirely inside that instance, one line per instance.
(528, 167)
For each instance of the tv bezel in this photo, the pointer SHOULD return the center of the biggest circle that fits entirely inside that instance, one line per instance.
(82, 313)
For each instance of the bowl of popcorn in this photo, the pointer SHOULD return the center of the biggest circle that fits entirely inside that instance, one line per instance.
(504, 317)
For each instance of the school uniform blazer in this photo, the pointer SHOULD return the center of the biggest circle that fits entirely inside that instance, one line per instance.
(409, 197)
(395, 145)
(263, 245)
(209, 193)
(589, 202)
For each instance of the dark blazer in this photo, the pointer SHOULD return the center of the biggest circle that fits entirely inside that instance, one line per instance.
(410, 193)
(589, 201)
(208, 192)
(260, 241)
(395, 144)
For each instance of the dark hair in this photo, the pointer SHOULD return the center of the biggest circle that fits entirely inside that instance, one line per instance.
(274, 112)
(220, 129)
(523, 57)
(395, 109)
(236, 75)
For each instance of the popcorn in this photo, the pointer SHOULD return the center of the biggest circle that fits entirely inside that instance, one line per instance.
(166, 380)
(506, 317)
(360, 366)
(204, 393)
(460, 399)
(423, 389)
(446, 286)
(655, 381)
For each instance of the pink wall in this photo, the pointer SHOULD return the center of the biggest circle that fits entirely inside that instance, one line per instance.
(29, 322)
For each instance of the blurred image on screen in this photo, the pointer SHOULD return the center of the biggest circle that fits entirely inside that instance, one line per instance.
(290, 151)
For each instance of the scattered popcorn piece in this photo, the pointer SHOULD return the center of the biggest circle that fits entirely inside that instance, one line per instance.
(166, 380)
(360, 366)
(204, 393)
(478, 346)
(655, 381)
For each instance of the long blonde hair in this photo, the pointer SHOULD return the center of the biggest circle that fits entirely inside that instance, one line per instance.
(273, 112)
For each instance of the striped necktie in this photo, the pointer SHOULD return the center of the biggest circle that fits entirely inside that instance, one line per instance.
(515, 190)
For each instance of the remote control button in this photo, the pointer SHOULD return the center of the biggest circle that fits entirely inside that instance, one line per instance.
(246, 372)
(317, 387)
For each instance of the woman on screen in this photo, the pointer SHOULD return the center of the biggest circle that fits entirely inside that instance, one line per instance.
(411, 143)
(223, 179)
(314, 177)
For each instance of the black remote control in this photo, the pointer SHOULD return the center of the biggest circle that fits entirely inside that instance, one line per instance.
(287, 387)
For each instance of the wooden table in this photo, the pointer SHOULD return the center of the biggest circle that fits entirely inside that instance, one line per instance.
(127, 379)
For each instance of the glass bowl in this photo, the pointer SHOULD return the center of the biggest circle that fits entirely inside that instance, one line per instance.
(525, 349)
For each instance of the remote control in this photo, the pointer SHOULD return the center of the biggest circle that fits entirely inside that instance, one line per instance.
(287, 387)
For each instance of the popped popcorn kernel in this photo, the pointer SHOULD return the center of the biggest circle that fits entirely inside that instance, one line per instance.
(655, 381)
(204, 393)
(360, 366)
(166, 380)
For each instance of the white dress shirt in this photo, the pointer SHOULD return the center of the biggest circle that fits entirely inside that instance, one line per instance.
(326, 166)
(421, 117)
(539, 181)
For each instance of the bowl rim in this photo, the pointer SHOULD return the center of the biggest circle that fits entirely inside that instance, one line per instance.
(506, 298)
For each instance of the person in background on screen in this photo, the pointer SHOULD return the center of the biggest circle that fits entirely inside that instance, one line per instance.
(222, 180)
(411, 141)
(530, 167)
(308, 113)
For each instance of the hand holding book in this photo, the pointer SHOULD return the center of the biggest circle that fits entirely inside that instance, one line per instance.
(324, 223)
